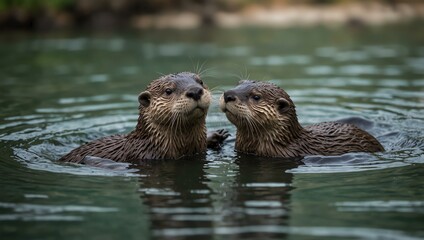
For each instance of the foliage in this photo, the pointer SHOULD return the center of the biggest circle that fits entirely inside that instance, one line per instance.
(157, 5)
(34, 5)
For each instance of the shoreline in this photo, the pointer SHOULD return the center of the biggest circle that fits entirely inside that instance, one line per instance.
(372, 14)
(252, 15)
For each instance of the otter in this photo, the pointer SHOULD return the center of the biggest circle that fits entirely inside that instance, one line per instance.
(267, 125)
(171, 124)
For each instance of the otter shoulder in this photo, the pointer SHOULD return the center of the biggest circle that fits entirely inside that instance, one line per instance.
(343, 137)
(106, 147)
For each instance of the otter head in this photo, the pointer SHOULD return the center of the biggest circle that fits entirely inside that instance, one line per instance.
(175, 101)
(263, 113)
(256, 105)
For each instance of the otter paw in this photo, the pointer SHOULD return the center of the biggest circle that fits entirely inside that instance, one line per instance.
(216, 138)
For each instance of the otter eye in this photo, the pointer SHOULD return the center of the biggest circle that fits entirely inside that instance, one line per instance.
(199, 81)
(168, 91)
(256, 97)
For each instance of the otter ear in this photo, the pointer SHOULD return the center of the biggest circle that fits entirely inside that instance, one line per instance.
(283, 105)
(144, 98)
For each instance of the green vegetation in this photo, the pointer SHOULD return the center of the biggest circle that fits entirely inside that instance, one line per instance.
(35, 5)
(49, 14)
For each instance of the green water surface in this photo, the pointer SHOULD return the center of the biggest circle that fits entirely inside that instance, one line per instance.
(59, 90)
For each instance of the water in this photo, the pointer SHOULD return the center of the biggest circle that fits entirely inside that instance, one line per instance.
(60, 90)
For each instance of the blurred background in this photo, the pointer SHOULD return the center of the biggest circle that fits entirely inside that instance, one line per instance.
(107, 14)
(71, 71)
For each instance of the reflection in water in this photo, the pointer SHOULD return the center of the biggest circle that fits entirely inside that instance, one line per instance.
(176, 194)
(331, 199)
(261, 195)
(185, 197)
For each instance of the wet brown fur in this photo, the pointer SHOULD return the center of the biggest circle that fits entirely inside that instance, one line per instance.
(168, 127)
(269, 126)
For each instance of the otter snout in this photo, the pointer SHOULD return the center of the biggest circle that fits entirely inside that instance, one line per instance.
(226, 99)
(195, 93)
(229, 96)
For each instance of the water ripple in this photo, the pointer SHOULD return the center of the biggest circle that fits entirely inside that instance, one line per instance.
(43, 157)
(346, 232)
(37, 212)
(382, 206)
(40, 209)
(280, 60)
(86, 108)
(58, 98)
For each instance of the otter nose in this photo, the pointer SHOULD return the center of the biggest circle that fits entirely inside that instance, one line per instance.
(229, 96)
(195, 93)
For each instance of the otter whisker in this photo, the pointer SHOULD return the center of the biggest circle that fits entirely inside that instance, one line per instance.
(254, 127)
(209, 72)
(241, 75)
(238, 76)
(198, 68)
(175, 126)
(216, 89)
(247, 75)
